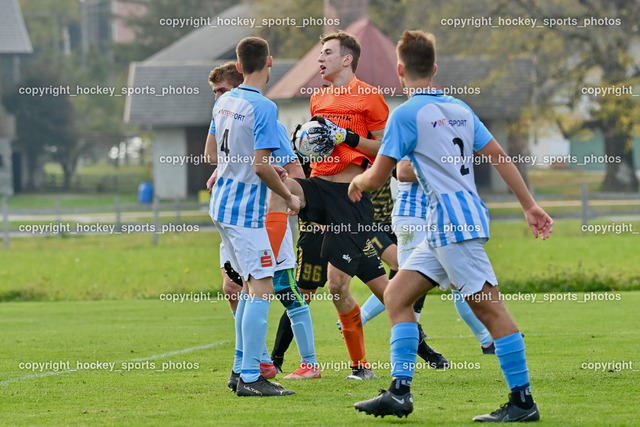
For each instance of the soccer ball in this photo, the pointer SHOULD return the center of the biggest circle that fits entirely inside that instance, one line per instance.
(314, 142)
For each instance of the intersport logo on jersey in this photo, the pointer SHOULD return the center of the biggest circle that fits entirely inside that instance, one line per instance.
(448, 122)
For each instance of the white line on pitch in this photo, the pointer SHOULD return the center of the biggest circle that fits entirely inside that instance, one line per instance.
(139, 359)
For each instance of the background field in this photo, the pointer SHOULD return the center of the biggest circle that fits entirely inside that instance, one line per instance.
(97, 299)
(560, 337)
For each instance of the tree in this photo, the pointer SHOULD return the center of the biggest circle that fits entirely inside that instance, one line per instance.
(43, 124)
(588, 43)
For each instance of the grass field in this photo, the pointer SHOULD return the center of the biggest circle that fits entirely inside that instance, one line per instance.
(95, 267)
(73, 301)
(193, 342)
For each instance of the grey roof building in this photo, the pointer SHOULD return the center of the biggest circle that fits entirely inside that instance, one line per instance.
(14, 43)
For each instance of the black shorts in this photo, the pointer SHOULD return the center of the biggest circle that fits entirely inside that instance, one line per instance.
(312, 267)
(348, 224)
(383, 237)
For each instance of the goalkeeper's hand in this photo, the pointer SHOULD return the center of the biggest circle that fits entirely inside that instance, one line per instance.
(338, 134)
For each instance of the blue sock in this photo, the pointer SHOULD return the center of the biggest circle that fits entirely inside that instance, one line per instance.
(404, 346)
(371, 308)
(303, 332)
(476, 326)
(254, 336)
(237, 360)
(513, 362)
(265, 357)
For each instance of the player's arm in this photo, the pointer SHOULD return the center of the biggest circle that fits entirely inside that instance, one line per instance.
(539, 221)
(269, 176)
(370, 147)
(212, 180)
(294, 169)
(211, 149)
(372, 178)
(404, 172)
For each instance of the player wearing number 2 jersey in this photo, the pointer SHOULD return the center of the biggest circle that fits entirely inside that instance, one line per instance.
(439, 134)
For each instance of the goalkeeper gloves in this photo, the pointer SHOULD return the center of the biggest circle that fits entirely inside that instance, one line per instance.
(338, 134)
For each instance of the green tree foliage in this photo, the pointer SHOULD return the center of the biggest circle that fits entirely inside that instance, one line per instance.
(292, 27)
(591, 43)
(43, 123)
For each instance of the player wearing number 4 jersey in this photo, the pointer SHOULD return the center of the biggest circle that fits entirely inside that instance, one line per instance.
(242, 135)
(428, 128)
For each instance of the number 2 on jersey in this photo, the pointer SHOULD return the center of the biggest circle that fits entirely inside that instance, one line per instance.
(463, 169)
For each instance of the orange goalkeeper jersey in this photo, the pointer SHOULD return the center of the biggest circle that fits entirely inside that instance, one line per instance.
(358, 106)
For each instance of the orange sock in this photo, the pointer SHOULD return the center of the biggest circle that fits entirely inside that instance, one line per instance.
(354, 336)
(276, 224)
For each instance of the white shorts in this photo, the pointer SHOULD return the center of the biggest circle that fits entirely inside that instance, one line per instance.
(465, 264)
(410, 231)
(286, 255)
(248, 249)
(224, 257)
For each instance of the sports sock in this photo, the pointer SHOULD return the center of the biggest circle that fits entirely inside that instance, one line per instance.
(400, 387)
(511, 356)
(476, 326)
(284, 336)
(254, 334)
(370, 309)
(237, 360)
(354, 336)
(303, 332)
(276, 224)
(417, 306)
(264, 357)
(404, 346)
(522, 398)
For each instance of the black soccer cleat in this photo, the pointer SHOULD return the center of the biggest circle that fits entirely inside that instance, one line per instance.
(233, 381)
(490, 349)
(508, 413)
(432, 357)
(361, 373)
(277, 363)
(387, 403)
(261, 387)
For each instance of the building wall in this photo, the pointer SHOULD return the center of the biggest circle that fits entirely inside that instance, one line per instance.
(169, 180)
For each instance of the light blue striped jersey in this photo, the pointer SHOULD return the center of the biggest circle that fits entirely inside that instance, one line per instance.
(411, 200)
(439, 133)
(243, 121)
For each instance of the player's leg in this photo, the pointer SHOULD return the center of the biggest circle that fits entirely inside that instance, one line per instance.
(311, 274)
(297, 309)
(349, 315)
(474, 279)
(399, 297)
(479, 330)
(421, 272)
(409, 232)
(250, 251)
(386, 248)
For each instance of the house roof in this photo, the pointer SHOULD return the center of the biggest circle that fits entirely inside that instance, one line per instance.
(13, 31)
(209, 42)
(188, 98)
(377, 65)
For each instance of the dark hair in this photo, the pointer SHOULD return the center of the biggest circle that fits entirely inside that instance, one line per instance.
(417, 52)
(252, 53)
(349, 45)
(226, 72)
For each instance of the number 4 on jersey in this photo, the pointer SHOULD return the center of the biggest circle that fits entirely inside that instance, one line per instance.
(225, 143)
